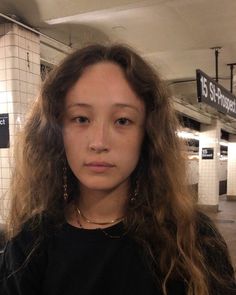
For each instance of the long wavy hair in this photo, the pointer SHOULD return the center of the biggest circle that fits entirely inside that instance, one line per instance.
(163, 219)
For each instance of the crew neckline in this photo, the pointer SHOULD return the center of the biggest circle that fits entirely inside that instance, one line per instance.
(113, 232)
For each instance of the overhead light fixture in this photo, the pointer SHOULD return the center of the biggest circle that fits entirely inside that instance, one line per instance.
(113, 13)
(188, 135)
(224, 143)
(87, 17)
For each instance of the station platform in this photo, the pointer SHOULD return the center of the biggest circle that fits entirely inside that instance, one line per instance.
(225, 220)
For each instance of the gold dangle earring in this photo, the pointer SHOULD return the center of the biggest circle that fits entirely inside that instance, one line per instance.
(134, 195)
(65, 193)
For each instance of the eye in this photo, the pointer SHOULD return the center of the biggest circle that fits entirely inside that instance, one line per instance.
(123, 121)
(81, 120)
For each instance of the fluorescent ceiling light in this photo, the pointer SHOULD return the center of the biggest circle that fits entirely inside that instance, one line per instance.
(80, 18)
(134, 10)
(188, 135)
(95, 16)
(223, 143)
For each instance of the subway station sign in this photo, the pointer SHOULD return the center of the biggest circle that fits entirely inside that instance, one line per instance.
(4, 131)
(207, 153)
(215, 95)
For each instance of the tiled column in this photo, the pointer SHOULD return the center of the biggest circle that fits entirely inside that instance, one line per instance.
(234, 82)
(208, 186)
(231, 172)
(19, 84)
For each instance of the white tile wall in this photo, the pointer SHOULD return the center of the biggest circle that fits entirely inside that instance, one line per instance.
(2, 41)
(19, 81)
(13, 85)
(23, 75)
(2, 63)
(2, 75)
(12, 63)
(11, 39)
(11, 51)
(23, 86)
(6, 182)
(208, 187)
(3, 97)
(12, 74)
(36, 58)
(231, 175)
(3, 108)
(3, 86)
(192, 171)
(23, 64)
(2, 30)
(22, 42)
(223, 169)
(13, 96)
(2, 53)
(14, 29)
(23, 53)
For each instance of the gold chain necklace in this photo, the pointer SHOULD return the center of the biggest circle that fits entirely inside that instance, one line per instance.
(100, 223)
(95, 222)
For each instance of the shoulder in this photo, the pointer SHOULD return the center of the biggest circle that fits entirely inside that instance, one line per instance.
(24, 259)
(216, 256)
(34, 229)
(208, 236)
(205, 226)
(28, 244)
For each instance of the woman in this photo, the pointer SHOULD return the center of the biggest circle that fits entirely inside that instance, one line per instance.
(100, 204)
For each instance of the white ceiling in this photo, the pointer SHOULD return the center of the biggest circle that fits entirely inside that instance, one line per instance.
(174, 35)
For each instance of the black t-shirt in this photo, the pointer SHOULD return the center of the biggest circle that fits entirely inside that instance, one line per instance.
(73, 261)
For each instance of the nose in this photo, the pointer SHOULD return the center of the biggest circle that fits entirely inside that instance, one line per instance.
(99, 137)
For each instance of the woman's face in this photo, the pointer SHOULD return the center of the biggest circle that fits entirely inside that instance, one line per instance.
(103, 128)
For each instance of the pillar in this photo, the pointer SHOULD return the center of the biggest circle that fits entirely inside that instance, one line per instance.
(231, 171)
(209, 162)
(19, 85)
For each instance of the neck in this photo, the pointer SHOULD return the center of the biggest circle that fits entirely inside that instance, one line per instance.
(103, 206)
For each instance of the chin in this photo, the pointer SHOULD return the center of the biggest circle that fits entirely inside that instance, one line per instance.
(102, 184)
(95, 188)
(98, 186)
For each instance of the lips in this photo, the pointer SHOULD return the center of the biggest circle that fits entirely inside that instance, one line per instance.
(99, 164)
(99, 167)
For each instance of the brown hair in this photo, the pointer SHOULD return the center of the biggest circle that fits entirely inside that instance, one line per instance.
(163, 219)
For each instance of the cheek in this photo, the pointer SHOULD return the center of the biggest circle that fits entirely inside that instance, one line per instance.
(72, 146)
(67, 141)
(130, 150)
(136, 141)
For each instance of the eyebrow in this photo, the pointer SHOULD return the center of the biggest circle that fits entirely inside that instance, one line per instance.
(124, 105)
(119, 105)
(79, 104)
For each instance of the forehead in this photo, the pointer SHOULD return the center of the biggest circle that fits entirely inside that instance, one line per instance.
(103, 83)
(101, 70)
